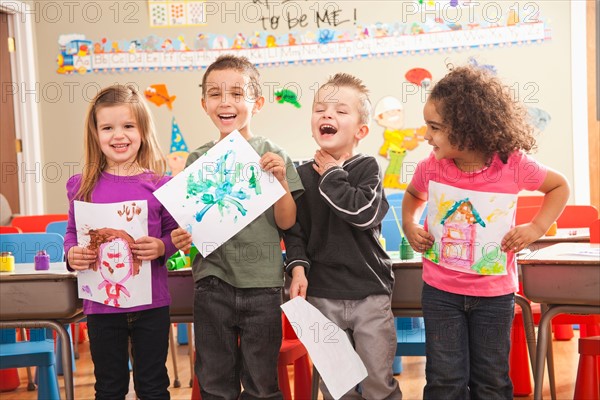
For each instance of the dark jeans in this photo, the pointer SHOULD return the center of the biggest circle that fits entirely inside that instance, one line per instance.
(238, 337)
(467, 345)
(110, 334)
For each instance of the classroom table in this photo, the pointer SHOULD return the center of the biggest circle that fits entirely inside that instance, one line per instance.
(565, 278)
(42, 299)
(563, 235)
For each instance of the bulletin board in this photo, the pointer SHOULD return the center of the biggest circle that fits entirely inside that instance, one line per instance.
(296, 46)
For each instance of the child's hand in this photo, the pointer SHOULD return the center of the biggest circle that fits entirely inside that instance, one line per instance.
(182, 239)
(520, 237)
(81, 258)
(418, 238)
(299, 283)
(324, 161)
(274, 163)
(148, 248)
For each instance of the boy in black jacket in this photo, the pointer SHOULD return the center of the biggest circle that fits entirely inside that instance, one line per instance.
(335, 241)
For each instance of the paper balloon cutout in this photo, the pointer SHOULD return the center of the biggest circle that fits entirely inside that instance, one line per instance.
(419, 76)
(287, 96)
(159, 95)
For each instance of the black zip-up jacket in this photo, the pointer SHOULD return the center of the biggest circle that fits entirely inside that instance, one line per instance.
(336, 235)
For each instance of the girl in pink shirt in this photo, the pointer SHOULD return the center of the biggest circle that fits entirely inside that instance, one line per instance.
(480, 135)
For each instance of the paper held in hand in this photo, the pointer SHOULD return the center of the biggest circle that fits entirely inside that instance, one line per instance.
(220, 193)
(329, 348)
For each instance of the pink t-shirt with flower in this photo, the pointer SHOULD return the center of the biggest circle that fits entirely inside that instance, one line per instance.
(521, 172)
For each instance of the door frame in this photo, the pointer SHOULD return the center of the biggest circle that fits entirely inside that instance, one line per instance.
(27, 113)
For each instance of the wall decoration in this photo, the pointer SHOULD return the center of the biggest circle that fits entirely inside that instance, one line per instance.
(296, 47)
(117, 279)
(159, 95)
(287, 96)
(397, 140)
(220, 193)
(179, 153)
(419, 76)
(468, 227)
(169, 13)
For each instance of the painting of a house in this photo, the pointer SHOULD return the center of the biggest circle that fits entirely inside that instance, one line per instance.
(459, 234)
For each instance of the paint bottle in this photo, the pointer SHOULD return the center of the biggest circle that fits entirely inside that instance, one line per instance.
(382, 241)
(406, 252)
(7, 262)
(177, 261)
(41, 261)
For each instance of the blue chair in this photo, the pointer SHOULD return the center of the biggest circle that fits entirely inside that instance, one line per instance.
(59, 227)
(410, 332)
(24, 246)
(39, 352)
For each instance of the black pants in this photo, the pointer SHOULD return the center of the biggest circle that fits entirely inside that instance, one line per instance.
(109, 346)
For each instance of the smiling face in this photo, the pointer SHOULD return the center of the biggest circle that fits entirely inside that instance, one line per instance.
(230, 101)
(119, 136)
(336, 120)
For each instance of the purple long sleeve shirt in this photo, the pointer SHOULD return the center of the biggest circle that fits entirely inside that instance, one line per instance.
(114, 189)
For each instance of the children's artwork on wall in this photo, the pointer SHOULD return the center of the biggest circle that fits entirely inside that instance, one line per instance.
(117, 278)
(468, 227)
(178, 155)
(271, 49)
(419, 76)
(287, 96)
(169, 13)
(397, 140)
(159, 95)
(538, 117)
(220, 193)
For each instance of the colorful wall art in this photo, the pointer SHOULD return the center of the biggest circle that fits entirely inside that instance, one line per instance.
(265, 48)
(117, 279)
(170, 13)
(468, 227)
(220, 193)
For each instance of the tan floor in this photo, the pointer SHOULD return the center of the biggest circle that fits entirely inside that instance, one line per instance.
(411, 380)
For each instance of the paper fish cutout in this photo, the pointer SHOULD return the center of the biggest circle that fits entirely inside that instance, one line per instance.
(159, 95)
(287, 96)
(489, 67)
(538, 117)
(419, 76)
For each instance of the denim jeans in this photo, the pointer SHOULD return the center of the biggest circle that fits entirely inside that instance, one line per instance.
(467, 345)
(238, 337)
(110, 334)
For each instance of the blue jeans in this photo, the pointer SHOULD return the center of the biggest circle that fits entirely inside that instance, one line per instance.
(110, 334)
(238, 337)
(467, 345)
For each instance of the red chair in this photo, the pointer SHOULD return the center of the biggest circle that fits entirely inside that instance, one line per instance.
(587, 384)
(595, 231)
(10, 229)
(36, 223)
(292, 351)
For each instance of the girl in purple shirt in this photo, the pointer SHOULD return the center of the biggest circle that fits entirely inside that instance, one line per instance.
(124, 163)
(479, 136)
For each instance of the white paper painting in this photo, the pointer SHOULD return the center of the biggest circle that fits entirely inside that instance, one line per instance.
(329, 348)
(220, 193)
(468, 227)
(117, 279)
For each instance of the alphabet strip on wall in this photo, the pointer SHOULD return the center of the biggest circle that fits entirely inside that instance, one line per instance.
(81, 55)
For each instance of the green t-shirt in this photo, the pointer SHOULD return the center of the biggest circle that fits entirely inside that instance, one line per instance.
(252, 258)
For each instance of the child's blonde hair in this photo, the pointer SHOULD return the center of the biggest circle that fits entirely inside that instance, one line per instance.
(149, 156)
(352, 82)
(240, 64)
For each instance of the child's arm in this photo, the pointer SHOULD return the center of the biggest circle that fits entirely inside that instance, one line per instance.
(362, 205)
(413, 205)
(556, 189)
(285, 207)
(297, 263)
(148, 248)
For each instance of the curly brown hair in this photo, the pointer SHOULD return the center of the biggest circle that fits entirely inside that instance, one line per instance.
(481, 114)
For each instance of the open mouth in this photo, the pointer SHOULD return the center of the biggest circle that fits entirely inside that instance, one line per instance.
(327, 129)
(227, 117)
(120, 146)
